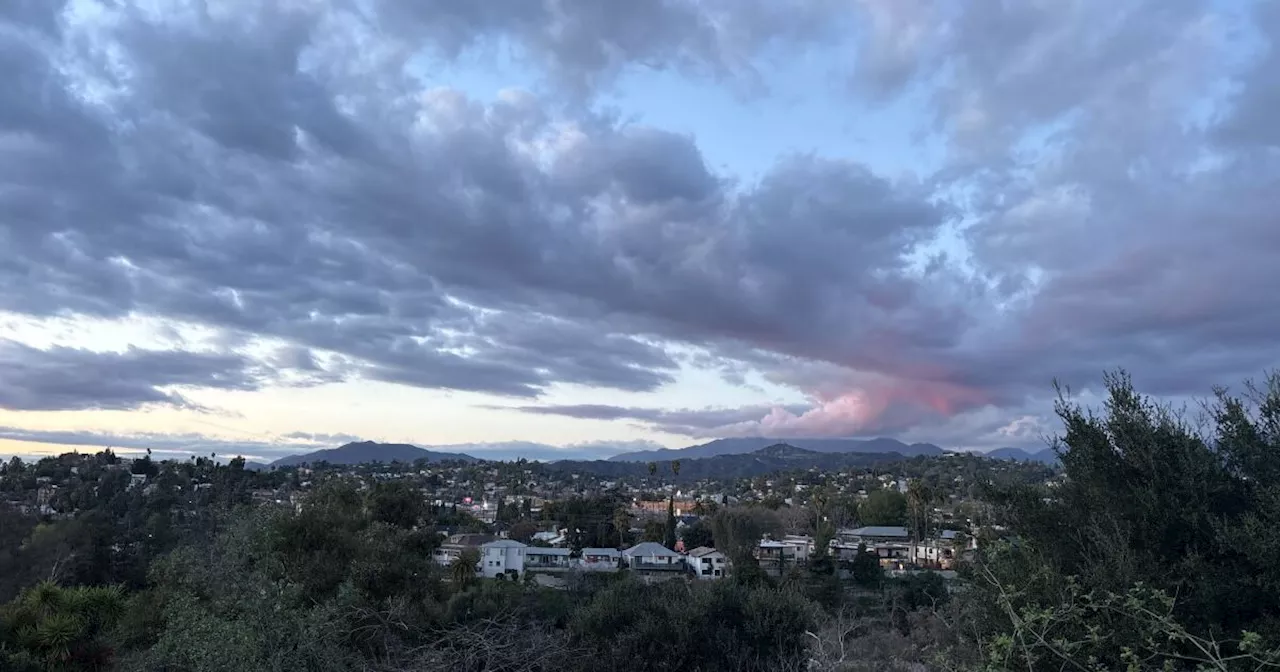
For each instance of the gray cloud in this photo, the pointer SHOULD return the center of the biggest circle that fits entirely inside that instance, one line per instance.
(270, 171)
(63, 378)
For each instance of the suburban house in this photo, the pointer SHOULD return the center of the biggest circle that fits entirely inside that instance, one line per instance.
(777, 556)
(650, 556)
(803, 545)
(551, 559)
(600, 559)
(708, 563)
(503, 556)
(876, 534)
(452, 549)
(550, 538)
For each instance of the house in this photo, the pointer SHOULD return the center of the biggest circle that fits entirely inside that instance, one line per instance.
(550, 538)
(803, 545)
(891, 544)
(452, 549)
(547, 559)
(876, 534)
(503, 556)
(600, 559)
(650, 555)
(708, 563)
(777, 556)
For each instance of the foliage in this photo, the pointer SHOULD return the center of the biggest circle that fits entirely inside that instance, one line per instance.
(706, 625)
(698, 534)
(1150, 503)
(49, 627)
(883, 507)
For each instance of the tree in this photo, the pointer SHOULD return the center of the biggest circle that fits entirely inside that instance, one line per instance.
(737, 532)
(654, 531)
(396, 503)
(523, 531)
(883, 507)
(866, 568)
(698, 534)
(1149, 500)
(463, 568)
(669, 532)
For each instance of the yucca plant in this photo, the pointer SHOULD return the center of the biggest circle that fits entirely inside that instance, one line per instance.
(58, 629)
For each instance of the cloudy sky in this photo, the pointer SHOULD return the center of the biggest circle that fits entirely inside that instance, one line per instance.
(573, 227)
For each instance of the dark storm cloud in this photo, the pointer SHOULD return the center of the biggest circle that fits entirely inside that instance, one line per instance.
(275, 172)
(62, 378)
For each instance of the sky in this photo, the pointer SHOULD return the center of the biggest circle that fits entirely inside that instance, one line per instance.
(566, 228)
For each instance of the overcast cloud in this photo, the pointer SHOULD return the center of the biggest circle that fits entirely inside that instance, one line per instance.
(274, 170)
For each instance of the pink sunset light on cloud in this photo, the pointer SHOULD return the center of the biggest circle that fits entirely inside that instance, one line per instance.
(876, 408)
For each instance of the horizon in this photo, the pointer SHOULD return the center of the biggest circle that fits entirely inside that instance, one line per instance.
(509, 452)
(542, 234)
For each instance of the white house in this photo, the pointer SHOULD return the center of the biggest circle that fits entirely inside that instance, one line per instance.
(600, 559)
(553, 559)
(708, 563)
(652, 555)
(502, 556)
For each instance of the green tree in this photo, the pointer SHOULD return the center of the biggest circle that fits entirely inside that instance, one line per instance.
(1152, 501)
(396, 503)
(866, 568)
(883, 507)
(698, 534)
(463, 568)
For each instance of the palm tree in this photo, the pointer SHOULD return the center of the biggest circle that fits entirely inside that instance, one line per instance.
(653, 468)
(919, 496)
(622, 523)
(463, 568)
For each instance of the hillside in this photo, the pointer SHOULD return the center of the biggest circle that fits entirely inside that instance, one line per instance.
(769, 459)
(1046, 455)
(370, 451)
(750, 445)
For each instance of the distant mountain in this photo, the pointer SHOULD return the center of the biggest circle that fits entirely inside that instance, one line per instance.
(750, 445)
(370, 451)
(1046, 455)
(767, 460)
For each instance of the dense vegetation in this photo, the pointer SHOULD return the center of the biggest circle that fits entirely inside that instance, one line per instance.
(1155, 548)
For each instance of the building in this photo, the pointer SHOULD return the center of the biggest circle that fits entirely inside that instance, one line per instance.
(504, 556)
(546, 559)
(776, 557)
(652, 556)
(600, 559)
(708, 563)
(452, 549)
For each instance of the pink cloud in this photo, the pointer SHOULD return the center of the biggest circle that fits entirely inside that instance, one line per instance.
(889, 406)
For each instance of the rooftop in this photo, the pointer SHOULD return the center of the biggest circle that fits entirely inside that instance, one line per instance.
(650, 548)
(882, 531)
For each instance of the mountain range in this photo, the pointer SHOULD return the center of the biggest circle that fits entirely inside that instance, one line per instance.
(749, 445)
(1045, 455)
(769, 459)
(371, 451)
(881, 448)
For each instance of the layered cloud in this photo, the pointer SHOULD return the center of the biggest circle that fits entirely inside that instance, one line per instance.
(278, 171)
(268, 449)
